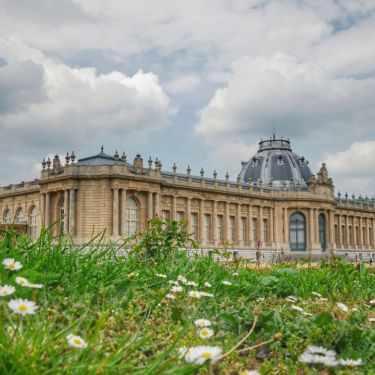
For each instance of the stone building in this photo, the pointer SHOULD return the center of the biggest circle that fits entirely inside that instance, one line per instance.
(276, 204)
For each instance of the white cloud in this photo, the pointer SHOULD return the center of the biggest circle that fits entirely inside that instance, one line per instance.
(184, 83)
(304, 99)
(353, 169)
(57, 104)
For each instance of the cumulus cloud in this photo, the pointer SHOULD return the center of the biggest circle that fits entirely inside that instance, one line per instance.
(353, 169)
(304, 99)
(184, 83)
(52, 103)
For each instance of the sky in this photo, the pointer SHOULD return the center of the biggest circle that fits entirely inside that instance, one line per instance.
(195, 82)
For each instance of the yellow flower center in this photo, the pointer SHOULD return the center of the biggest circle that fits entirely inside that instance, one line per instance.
(12, 266)
(77, 341)
(204, 333)
(22, 308)
(206, 355)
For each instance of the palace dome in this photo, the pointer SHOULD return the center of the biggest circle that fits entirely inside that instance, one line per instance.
(276, 166)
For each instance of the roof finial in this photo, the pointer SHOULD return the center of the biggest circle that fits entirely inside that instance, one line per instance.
(273, 127)
(102, 150)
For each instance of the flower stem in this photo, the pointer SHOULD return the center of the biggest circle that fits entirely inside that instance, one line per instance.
(256, 345)
(243, 339)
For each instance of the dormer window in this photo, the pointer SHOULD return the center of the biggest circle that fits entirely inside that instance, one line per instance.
(255, 162)
(280, 160)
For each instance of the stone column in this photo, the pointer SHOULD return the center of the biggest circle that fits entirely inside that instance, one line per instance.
(157, 205)
(150, 205)
(316, 225)
(188, 214)
(373, 234)
(123, 212)
(360, 235)
(272, 228)
(250, 225)
(311, 228)
(238, 226)
(260, 220)
(115, 212)
(47, 214)
(201, 222)
(226, 222)
(66, 211)
(286, 228)
(347, 232)
(332, 230)
(355, 239)
(174, 207)
(339, 244)
(42, 209)
(214, 223)
(367, 237)
(72, 208)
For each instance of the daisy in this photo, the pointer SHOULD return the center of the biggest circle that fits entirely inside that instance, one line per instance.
(191, 283)
(291, 299)
(7, 290)
(132, 274)
(194, 294)
(201, 354)
(182, 279)
(316, 294)
(342, 306)
(11, 264)
(371, 320)
(226, 282)
(372, 302)
(205, 294)
(24, 282)
(235, 274)
(351, 362)
(170, 296)
(173, 282)
(207, 285)
(177, 289)
(202, 323)
(317, 354)
(206, 333)
(161, 275)
(22, 306)
(249, 372)
(76, 341)
(297, 308)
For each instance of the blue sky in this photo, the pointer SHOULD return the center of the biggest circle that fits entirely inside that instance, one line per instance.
(192, 82)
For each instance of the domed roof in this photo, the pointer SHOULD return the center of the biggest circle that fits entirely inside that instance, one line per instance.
(276, 165)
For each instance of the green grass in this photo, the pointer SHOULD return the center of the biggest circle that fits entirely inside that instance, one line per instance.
(118, 305)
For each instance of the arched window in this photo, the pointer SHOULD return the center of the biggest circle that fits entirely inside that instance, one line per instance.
(20, 218)
(32, 222)
(7, 216)
(322, 232)
(297, 232)
(62, 216)
(131, 223)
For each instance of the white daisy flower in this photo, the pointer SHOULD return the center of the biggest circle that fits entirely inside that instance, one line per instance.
(206, 333)
(355, 309)
(132, 274)
(207, 285)
(201, 354)
(194, 294)
(371, 320)
(182, 351)
(317, 354)
(342, 306)
(170, 296)
(24, 282)
(291, 299)
(182, 279)
(316, 294)
(235, 273)
(161, 275)
(297, 308)
(306, 313)
(177, 289)
(351, 362)
(22, 306)
(372, 302)
(226, 282)
(250, 372)
(76, 341)
(205, 294)
(7, 290)
(202, 323)
(173, 282)
(323, 299)
(11, 264)
(191, 283)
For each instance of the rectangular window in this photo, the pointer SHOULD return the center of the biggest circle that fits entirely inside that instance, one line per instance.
(232, 228)
(243, 236)
(207, 227)
(255, 230)
(343, 234)
(357, 235)
(363, 236)
(219, 227)
(370, 236)
(194, 225)
(265, 231)
(351, 239)
(336, 234)
(179, 216)
(165, 214)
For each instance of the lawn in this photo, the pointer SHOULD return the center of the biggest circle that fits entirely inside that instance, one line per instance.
(159, 311)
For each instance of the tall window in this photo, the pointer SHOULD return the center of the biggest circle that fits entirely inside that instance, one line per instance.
(165, 215)
(322, 232)
(179, 216)
(194, 225)
(357, 235)
(297, 232)
(363, 236)
(62, 216)
(343, 235)
(207, 227)
(255, 230)
(232, 228)
(20, 217)
(265, 231)
(370, 239)
(219, 228)
(7, 217)
(243, 229)
(32, 222)
(337, 234)
(131, 222)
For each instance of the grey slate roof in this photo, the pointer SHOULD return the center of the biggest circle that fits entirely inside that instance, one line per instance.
(101, 159)
(276, 162)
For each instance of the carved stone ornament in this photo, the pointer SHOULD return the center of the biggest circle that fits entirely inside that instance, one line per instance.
(138, 164)
(323, 175)
(56, 165)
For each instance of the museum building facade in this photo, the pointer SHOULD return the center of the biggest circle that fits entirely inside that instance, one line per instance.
(277, 204)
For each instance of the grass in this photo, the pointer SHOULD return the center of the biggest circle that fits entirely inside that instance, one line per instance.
(118, 305)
